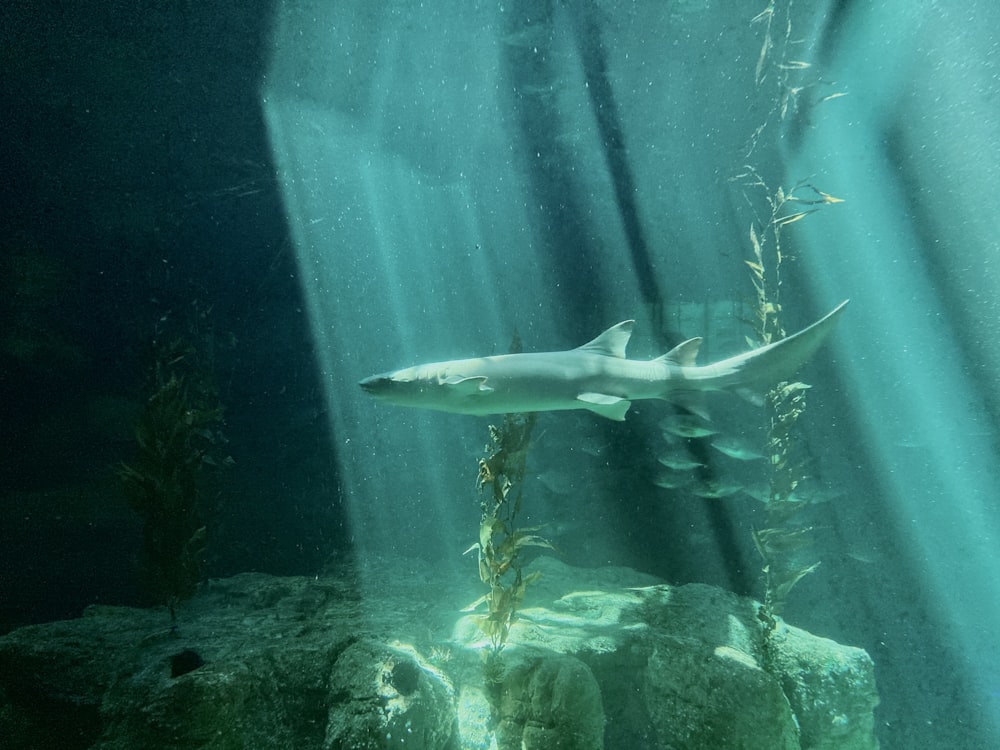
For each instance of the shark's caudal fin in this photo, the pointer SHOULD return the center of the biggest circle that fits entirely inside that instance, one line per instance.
(757, 370)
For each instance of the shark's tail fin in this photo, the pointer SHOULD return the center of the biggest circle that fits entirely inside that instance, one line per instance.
(759, 369)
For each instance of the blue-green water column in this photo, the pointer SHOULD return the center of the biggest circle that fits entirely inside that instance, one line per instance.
(913, 151)
(418, 237)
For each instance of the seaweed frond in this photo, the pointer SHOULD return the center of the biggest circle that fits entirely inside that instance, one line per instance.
(500, 543)
(178, 437)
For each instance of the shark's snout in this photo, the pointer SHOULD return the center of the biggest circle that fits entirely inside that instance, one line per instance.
(385, 385)
(373, 384)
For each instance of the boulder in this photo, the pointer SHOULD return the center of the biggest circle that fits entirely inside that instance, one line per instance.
(384, 696)
(605, 658)
(549, 701)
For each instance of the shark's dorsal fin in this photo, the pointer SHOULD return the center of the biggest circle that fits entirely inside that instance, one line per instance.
(612, 342)
(684, 354)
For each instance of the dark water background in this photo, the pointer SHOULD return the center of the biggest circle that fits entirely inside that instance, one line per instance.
(141, 201)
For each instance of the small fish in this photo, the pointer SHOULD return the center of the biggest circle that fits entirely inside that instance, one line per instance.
(556, 482)
(759, 492)
(716, 490)
(864, 558)
(592, 446)
(687, 426)
(762, 493)
(671, 481)
(818, 495)
(679, 463)
(736, 448)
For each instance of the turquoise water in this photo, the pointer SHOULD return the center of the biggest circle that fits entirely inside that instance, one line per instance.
(309, 193)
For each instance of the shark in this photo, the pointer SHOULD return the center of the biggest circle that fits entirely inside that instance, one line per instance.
(596, 376)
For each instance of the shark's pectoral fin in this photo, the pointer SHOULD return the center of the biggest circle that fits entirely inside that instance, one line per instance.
(473, 386)
(611, 407)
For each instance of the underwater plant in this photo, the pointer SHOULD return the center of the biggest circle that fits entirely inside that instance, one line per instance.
(785, 404)
(785, 541)
(178, 437)
(789, 78)
(500, 485)
(501, 474)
